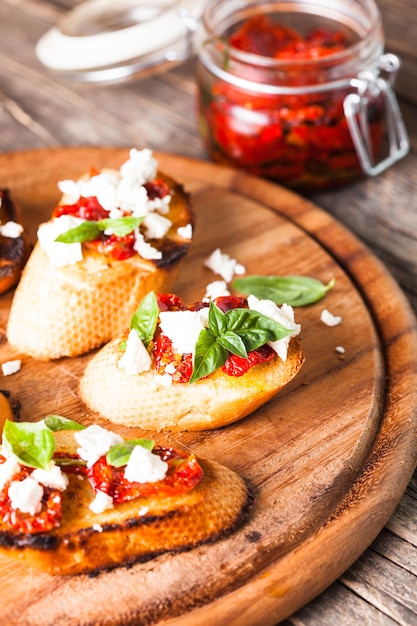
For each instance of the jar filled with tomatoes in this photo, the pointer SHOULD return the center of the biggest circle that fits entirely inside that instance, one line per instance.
(298, 91)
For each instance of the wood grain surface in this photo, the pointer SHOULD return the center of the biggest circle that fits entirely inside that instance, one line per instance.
(329, 458)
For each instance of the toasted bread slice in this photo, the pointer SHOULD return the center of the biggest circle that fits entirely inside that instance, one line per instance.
(67, 311)
(212, 402)
(14, 250)
(137, 530)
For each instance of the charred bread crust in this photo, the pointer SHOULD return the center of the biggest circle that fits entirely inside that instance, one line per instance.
(212, 402)
(13, 250)
(87, 543)
(91, 302)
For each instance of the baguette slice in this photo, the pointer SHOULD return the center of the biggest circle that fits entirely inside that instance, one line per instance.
(68, 311)
(212, 402)
(134, 531)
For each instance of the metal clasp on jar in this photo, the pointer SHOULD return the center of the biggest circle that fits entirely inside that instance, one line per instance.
(356, 107)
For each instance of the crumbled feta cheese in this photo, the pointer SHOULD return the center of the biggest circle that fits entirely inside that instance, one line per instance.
(185, 231)
(156, 226)
(143, 510)
(11, 229)
(170, 368)
(101, 502)
(340, 349)
(224, 265)
(60, 254)
(161, 205)
(164, 380)
(145, 467)
(284, 315)
(183, 328)
(95, 441)
(26, 495)
(98, 528)
(8, 469)
(216, 289)
(136, 358)
(53, 477)
(141, 166)
(11, 367)
(329, 319)
(145, 249)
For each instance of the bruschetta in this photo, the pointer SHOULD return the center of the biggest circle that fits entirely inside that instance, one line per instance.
(195, 368)
(78, 500)
(114, 235)
(14, 248)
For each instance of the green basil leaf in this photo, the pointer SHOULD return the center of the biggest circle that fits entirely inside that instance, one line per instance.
(69, 461)
(121, 226)
(209, 355)
(119, 454)
(58, 422)
(145, 318)
(254, 328)
(293, 290)
(32, 443)
(87, 231)
(91, 229)
(217, 320)
(233, 343)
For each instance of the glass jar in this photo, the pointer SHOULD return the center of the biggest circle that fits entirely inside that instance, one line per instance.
(317, 112)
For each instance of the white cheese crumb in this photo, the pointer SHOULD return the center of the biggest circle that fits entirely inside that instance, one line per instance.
(224, 265)
(26, 495)
(141, 166)
(170, 368)
(340, 349)
(144, 248)
(284, 315)
(97, 527)
(216, 289)
(143, 510)
(329, 319)
(164, 380)
(156, 226)
(11, 229)
(136, 358)
(8, 469)
(101, 502)
(53, 477)
(60, 254)
(95, 441)
(183, 328)
(145, 467)
(11, 367)
(185, 231)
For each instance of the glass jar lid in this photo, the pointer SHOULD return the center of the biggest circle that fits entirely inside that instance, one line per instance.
(104, 41)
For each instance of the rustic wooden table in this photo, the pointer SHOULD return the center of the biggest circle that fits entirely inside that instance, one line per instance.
(39, 110)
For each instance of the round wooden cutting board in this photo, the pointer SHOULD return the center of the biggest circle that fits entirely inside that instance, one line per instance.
(329, 458)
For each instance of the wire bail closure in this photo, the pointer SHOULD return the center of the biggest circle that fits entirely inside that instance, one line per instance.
(369, 87)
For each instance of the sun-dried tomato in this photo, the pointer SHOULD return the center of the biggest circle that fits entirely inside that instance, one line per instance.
(184, 473)
(49, 516)
(157, 188)
(237, 365)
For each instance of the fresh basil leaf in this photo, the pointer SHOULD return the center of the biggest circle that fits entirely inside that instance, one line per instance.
(293, 290)
(87, 231)
(209, 355)
(91, 229)
(32, 443)
(119, 454)
(145, 318)
(58, 422)
(254, 328)
(233, 343)
(121, 226)
(69, 461)
(217, 321)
